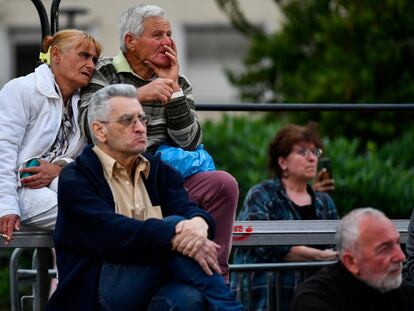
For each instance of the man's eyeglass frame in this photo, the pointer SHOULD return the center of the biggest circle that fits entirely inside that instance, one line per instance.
(130, 121)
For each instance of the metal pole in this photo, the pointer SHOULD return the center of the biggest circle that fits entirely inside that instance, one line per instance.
(43, 19)
(54, 16)
(14, 282)
(42, 279)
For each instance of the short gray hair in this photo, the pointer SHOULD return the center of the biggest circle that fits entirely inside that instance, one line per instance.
(99, 107)
(347, 231)
(132, 21)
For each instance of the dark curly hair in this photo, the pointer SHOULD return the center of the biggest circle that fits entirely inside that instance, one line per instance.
(288, 136)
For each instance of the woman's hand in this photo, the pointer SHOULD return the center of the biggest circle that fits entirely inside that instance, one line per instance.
(42, 175)
(322, 182)
(306, 253)
(328, 254)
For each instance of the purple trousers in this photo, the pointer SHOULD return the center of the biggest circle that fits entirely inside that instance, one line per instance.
(217, 192)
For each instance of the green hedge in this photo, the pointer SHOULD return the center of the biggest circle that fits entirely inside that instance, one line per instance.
(239, 146)
(381, 176)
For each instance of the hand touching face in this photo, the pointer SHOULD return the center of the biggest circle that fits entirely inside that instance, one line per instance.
(155, 45)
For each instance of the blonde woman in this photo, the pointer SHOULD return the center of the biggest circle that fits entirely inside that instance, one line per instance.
(39, 132)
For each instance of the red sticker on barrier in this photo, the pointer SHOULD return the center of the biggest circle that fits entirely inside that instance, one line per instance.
(242, 233)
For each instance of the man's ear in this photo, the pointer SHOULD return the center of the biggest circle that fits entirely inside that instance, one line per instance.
(99, 131)
(129, 41)
(351, 263)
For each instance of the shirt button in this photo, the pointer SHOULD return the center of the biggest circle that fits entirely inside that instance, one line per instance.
(127, 182)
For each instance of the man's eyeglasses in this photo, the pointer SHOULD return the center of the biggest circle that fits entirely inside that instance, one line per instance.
(305, 151)
(131, 121)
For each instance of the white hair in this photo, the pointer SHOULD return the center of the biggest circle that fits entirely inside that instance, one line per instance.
(99, 107)
(132, 21)
(347, 236)
(347, 231)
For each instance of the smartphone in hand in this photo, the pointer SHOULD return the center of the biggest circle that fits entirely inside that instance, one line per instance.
(327, 164)
(324, 181)
(31, 163)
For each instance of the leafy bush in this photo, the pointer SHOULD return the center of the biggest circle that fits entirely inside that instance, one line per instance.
(375, 178)
(381, 176)
(239, 146)
(4, 279)
(332, 51)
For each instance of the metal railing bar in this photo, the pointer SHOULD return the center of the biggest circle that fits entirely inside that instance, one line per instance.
(278, 290)
(303, 107)
(294, 232)
(249, 292)
(240, 293)
(244, 274)
(278, 266)
(269, 281)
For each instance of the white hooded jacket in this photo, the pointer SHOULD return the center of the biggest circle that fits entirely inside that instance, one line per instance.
(30, 117)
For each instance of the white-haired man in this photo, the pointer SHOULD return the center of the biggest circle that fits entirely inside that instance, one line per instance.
(368, 274)
(148, 60)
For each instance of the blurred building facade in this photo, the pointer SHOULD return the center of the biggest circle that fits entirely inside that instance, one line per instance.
(207, 44)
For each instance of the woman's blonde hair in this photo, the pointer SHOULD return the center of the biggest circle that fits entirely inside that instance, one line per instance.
(64, 39)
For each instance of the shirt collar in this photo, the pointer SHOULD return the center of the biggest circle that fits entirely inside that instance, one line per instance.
(121, 64)
(109, 163)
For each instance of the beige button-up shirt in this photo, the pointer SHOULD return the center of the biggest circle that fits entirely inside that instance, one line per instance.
(131, 197)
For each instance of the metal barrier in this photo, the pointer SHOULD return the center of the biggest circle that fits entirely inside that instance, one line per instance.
(40, 242)
(294, 232)
(246, 234)
(36, 276)
(273, 272)
(284, 232)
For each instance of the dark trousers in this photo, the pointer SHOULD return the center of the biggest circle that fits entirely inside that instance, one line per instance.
(178, 284)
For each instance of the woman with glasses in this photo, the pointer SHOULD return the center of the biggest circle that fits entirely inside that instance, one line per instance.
(293, 161)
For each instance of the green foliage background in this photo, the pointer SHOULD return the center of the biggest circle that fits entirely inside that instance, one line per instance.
(332, 51)
(4, 283)
(381, 177)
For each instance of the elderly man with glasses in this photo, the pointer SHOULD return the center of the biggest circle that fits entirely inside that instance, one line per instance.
(127, 237)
